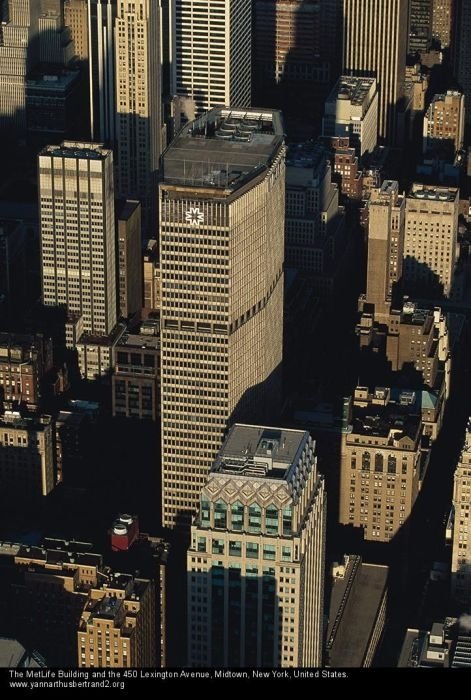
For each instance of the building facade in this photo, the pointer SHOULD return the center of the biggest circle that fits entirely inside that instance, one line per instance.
(444, 124)
(256, 560)
(386, 221)
(129, 258)
(431, 234)
(117, 626)
(442, 21)
(26, 455)
(24, 360)
(19, 52)
(213, 48)
(382, 463)
(76, 19)
(221, 211)
(78, 246)
(351, 110)
(461, 550)
(151, 275)
(462, 51)
(138, 103)
(135, 382)
(375, 45)
(101, 68)
(420, 25)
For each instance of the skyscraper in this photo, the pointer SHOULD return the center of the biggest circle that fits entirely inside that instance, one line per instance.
(139, 102)
(19, 51)
(101, 58)
(375, 44)
(256, 560)
(222, 202)
(78, 246)
(213, 53)
(462, 40)
(76, 18)
(420, 25)
(461, 553)
(442, 21)
(386, 218)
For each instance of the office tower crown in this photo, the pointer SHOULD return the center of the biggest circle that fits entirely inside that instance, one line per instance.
(224, 149)
(264, 466)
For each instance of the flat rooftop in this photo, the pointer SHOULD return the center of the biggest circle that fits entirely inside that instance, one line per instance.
(351, 88)
(14, 419)
(224, 148)
(142, 341)
(438, 194)
(258, 451)
(354, 607)
(77, 149)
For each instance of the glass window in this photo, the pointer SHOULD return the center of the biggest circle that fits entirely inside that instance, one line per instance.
(379, 462)
(365, 461)
(251, 550)
(205, 512)
(287, 521)
(286, 553)
(235, 548)
(255, 518)
(251, 571)
(218, 546)
(220, 515)
(201, 544)
(269, 551)
(271, 520)
(391, 464)
(237, 511)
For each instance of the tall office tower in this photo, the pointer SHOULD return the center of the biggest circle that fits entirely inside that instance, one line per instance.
(256, 559)
(295, 60)
(430, 240)
(315, 239)
(462, 41)
(442, 21)
(213, 53)
(139, 103)
(382, 462)
(386, 221)
(420, 25)
(78, 247)
(222, 203)
(444, 124)
(19, 52)
(461, 552)
(76, 19)
(351, 110)
(129, 257)
(375, 44)
(55, 43)
(101, 66)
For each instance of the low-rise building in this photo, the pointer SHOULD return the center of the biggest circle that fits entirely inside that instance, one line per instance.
(26, 454)
(383, 462)
(357, 614)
